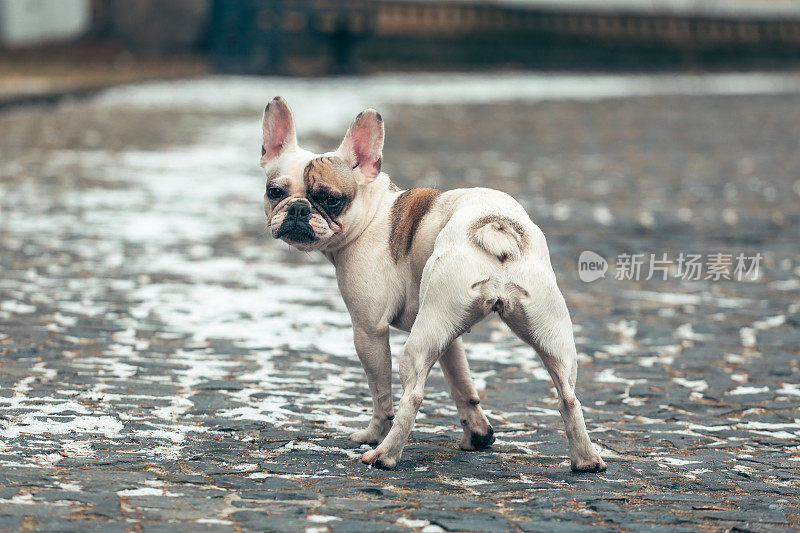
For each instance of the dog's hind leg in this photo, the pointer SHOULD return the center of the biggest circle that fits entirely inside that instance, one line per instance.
(478, 433)
(538, 314)
(448, 307)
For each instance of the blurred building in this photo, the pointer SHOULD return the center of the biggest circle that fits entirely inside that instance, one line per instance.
(33, 22)
(339, 36)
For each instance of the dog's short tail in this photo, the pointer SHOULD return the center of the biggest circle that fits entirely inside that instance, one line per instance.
(499, 236)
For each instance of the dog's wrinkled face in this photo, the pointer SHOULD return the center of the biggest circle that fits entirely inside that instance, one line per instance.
(308, 212)
(312, 200)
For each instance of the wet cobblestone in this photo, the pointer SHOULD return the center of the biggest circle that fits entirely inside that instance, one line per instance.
(164, 366)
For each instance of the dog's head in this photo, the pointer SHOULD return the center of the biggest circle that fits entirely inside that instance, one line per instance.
(313, 201)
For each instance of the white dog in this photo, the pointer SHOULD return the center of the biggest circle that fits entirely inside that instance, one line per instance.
(429, 262)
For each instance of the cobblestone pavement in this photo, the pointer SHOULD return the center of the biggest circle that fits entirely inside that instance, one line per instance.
(165, 366)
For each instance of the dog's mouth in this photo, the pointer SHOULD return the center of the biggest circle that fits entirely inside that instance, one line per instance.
(296, 231)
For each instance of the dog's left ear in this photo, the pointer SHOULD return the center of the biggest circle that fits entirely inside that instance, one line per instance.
(362, 147)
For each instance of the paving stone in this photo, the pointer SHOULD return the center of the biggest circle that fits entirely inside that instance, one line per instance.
(458, 521)
(270, 483)
(191, 528)
(357, 526)
(10, 523)
(82, 525)
(558, 527)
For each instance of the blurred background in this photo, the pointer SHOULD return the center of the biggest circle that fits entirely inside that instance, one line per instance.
(48, 46)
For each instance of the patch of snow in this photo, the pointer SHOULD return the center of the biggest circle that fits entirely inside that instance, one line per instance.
(411, 522)
(748, 337)
(698, 386)
(771, 322)
(145, 491)
(29, 424)
(321, 518)
(791, 389)
(748, 390)
(676, 462)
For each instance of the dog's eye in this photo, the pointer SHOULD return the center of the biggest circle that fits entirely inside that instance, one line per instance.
(332, 201)
(274, 193)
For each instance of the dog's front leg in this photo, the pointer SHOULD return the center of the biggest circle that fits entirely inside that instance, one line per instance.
(444, 314)
(373, 350)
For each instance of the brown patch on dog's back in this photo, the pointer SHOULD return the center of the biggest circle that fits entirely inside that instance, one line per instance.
(407, 211)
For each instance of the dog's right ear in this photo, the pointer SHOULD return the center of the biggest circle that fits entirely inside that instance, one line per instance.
(362, 147)
(278, 129)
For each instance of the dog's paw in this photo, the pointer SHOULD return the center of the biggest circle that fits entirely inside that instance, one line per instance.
(378, 459)
(374, 433)
(588, 464)
(476, 441)
(366, 436)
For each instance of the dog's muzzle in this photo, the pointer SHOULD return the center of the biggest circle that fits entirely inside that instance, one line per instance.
(296, 226)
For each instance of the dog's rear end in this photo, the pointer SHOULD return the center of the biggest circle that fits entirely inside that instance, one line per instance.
(488, 256)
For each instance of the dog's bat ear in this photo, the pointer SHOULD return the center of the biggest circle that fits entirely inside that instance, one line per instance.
(362, 147)
(278, 129)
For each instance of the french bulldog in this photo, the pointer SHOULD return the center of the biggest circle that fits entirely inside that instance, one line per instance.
(425, 261)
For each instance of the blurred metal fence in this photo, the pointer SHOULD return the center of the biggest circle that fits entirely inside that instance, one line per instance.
(337, 36)
(679, 28)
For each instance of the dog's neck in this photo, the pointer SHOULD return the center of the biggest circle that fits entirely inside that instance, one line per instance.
(376, 193)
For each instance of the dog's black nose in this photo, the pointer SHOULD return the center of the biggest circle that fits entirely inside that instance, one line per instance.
(299, 210)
